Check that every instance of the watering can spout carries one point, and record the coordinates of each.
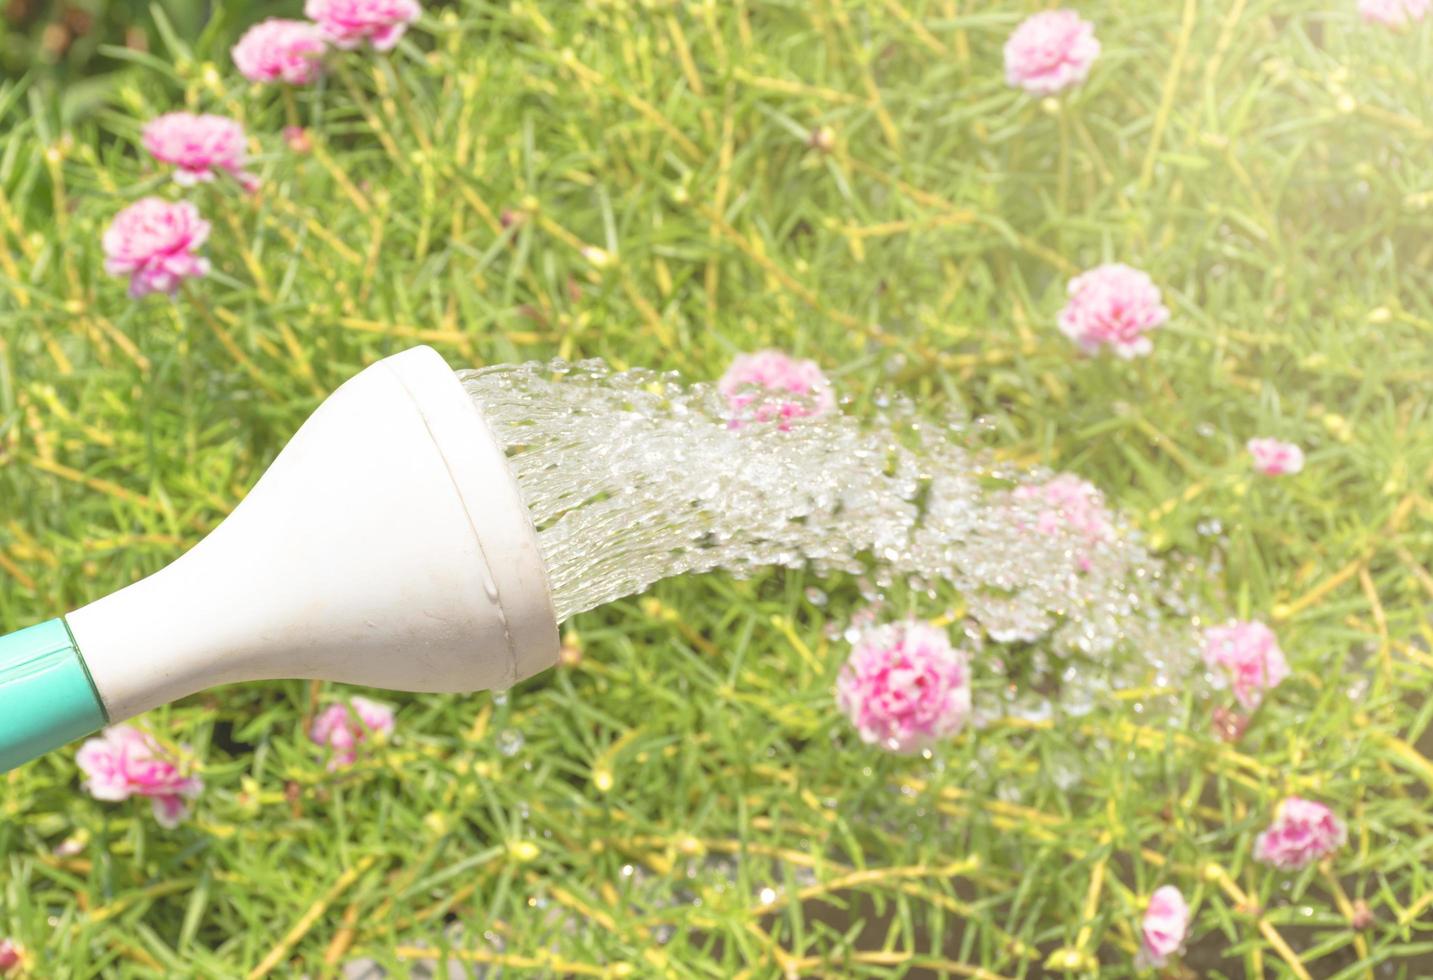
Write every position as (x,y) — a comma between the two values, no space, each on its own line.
(387,545)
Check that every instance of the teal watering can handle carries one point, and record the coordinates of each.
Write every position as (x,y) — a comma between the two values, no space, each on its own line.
(46,696)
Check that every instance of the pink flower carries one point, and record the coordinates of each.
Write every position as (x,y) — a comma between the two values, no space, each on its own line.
(1229,725)
(1394,13)
(1050,51)
(347,23)
(9,955)
(297,139)
(905,687)
(756,382)
(125,762)
(279,50)
(1070,505)
(1302,832)
(199,145)
(1166,923)
(1113,305)
(1275,458)
(1249,653)
(154,243)
(343,727)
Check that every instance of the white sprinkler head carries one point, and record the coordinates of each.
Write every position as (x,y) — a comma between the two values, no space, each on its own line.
(387,545)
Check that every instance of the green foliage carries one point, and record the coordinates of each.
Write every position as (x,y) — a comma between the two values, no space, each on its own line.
(77,50)
(685,801)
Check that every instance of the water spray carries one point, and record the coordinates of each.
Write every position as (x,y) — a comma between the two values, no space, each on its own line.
(426,530)
(388,545)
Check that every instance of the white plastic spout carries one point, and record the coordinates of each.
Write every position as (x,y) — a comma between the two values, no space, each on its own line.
(387,545)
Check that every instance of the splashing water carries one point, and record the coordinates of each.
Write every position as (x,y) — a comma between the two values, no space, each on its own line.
(635,476)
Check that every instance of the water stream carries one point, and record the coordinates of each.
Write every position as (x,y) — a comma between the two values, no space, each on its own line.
(636,476)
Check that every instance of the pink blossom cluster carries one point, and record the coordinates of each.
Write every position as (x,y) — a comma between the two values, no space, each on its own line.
(198,145)
(1050,52)
(1394,13)
(342,728)
(1070,505)
(772,385)
(9,955)
(1113,306)
(349,23)
(905,687)
(156,244)
(292,51)
(125,762)
(1165,926)
(278,50)
(1248,653)
(1302,832)
(1274,458)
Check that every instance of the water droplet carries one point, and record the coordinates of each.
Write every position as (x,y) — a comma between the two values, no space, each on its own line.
(510,742)
(1065,775)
